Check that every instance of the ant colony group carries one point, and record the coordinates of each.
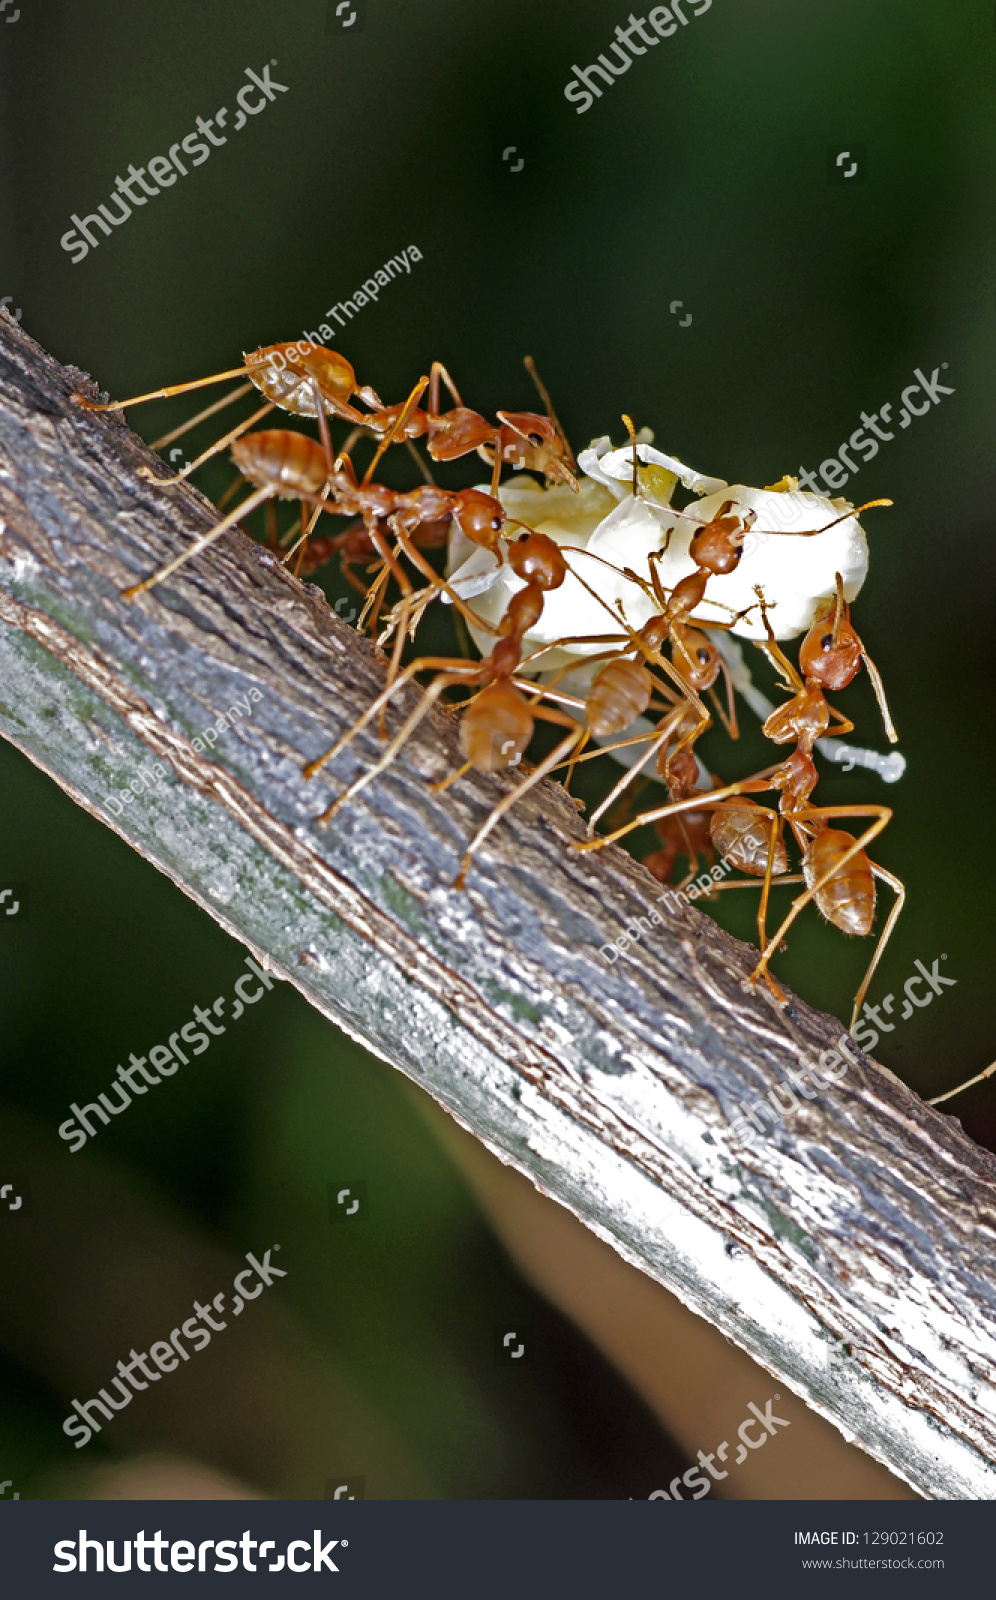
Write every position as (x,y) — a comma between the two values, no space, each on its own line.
(595,606)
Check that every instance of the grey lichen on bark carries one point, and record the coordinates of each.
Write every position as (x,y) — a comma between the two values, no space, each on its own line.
(850,1250)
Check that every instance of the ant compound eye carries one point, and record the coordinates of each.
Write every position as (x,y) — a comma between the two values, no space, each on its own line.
(521,537)
(496,523)
(826,642)
(536,439)
(703,656)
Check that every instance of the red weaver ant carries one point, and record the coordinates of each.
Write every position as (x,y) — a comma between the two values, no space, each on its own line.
(838,873)
(497,723)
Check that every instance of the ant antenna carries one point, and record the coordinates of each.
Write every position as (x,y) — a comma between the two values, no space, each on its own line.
(873,672)
(636,459)
(838,610)
(544,395)
(952,1092)
(811,533)
(883,704)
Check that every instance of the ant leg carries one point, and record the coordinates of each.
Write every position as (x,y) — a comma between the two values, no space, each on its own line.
(663,735)
(461,772)
(544,395)
(697,802)
(899,889)
(429,698)
(160,394)
(396,426)
(425,664)
(979,1077)
(212,450)
(272,542)
(882,815)
(730,720)
(202,416)
(200,544)
(762,910)
(437,371)
(574,760)
(508,801)
(233,488)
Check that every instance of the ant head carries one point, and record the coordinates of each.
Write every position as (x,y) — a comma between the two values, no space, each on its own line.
(537,559)
(831,652)
(718,546)
(695,657)
(532,441)
(481,517)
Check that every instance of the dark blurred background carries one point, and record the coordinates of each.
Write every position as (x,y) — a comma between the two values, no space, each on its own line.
(706,174)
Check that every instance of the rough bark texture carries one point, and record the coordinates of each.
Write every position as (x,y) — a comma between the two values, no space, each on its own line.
(850,1251)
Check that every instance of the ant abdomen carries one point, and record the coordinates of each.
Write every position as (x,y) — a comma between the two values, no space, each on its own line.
(496,728)
(848,899)
(284,375)
(742,832)
(620,693)
(289,463)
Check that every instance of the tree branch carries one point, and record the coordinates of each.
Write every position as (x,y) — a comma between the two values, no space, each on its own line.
(850,1251)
